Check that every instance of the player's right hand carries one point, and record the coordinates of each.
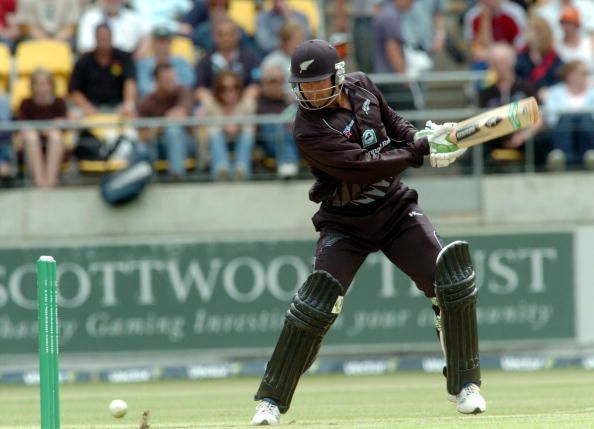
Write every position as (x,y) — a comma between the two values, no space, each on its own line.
(442,152)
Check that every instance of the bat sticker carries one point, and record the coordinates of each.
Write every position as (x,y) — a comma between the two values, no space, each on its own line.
(466,132)
(513,115)
(492,122)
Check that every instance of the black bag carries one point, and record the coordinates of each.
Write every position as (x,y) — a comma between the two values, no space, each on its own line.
(90,148)
(126,185)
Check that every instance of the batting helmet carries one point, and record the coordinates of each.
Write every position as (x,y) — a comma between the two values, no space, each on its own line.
(312,61)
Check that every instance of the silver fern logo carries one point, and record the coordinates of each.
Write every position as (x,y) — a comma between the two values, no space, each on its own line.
(305,65)
(366,106)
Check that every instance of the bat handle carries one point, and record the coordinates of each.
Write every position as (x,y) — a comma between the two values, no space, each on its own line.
(452,137)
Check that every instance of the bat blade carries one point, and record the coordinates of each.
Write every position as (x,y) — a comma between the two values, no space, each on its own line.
(496,123)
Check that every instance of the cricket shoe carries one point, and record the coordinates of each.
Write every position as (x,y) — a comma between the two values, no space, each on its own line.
(267,414)
(469,400)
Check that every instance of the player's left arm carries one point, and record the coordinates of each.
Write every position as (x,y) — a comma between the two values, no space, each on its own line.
(442,152)
(346,161)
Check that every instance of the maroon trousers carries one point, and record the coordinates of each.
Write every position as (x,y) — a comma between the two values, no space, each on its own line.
(398,228)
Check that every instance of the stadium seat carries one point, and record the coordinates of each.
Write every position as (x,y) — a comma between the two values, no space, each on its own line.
(5,64)
(21,89)
(507,155)
(310,9)
(100,131)
(100,167)
(54,55)
(162,165)
(243,12)
(183,47)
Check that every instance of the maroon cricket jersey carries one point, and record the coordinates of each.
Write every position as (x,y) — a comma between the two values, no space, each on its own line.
(357,155)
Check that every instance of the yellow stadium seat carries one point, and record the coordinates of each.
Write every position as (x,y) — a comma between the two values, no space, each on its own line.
(310,9)
(5,63)
(96,127)
(490,78)
(243,13)
(21,89)
(100,167)
(103,124)
(54,55)
(161,165)
(183,47)
(507,155)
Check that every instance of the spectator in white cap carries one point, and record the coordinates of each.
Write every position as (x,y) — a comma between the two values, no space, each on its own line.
(575,45)
(551,11)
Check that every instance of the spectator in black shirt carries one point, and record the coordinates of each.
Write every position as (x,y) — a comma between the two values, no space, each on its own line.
(103,80)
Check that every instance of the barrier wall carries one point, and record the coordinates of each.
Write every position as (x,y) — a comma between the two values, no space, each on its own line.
(271,210)
(220,211)
(210,267)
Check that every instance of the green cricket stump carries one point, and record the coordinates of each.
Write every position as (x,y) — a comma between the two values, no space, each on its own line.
(49,372)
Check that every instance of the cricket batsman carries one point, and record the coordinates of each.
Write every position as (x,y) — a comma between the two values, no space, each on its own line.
(357,147)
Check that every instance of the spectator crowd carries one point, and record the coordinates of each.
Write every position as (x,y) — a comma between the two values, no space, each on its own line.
(178,59)
(544,50)
(541,48)
(172,59)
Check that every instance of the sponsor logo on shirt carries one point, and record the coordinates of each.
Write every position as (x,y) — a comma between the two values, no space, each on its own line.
(365,107)
(369,137)
(374,152)
(347,130)
(116,69)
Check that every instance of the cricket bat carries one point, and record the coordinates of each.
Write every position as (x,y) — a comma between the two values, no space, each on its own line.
(496,123)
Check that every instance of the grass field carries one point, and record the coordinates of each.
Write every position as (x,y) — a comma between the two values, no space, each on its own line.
(551,399)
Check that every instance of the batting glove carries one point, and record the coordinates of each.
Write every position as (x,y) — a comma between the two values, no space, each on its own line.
(442,152)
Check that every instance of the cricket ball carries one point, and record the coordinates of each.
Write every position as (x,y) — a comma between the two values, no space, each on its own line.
(118,408)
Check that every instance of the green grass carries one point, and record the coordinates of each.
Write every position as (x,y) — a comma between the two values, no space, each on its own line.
(548,399)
